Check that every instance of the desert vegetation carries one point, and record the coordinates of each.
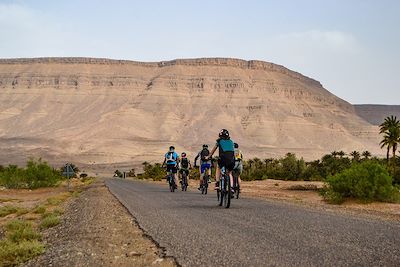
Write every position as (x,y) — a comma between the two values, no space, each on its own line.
(37,173)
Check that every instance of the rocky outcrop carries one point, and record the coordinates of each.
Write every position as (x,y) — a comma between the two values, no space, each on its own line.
(113,111)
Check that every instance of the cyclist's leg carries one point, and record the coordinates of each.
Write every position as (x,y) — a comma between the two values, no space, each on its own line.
(202,173)
(240,172)
(209,173)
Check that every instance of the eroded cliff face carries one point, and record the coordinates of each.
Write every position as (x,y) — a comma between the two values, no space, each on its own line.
(100,111)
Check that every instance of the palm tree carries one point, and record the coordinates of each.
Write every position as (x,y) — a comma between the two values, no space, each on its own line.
(267,162)
(391,139)
(366,154)
(355,155)
(341,153)
(389,127)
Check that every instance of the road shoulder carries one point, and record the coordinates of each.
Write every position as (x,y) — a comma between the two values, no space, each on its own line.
(96,230)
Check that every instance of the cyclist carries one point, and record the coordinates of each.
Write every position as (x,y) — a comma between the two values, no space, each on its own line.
(184,166)
(204,163)
(238,161)
(171,159)
(226,155)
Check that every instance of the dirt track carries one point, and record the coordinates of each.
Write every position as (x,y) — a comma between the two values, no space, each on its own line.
(98,231)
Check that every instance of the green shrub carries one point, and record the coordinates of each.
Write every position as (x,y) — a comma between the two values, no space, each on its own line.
(154,172)
(39,209)
(20,230)
(12,253)
(49,220)
(6,210)
(20,244)
(36,174)
(367,181)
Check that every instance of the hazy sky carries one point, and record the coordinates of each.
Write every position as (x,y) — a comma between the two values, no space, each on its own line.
(351,46)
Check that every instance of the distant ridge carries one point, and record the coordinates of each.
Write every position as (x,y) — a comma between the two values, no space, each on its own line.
(376,114)
(219,62)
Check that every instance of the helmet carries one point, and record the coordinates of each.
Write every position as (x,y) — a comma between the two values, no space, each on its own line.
(224,134)
(205,146)
(171,148)
(236,145)
(183,155)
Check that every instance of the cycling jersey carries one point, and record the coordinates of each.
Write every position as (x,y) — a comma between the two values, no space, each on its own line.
(171,158)
(226,153)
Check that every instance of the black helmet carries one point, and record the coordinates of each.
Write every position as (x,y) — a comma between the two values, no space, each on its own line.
(205,146)
(224,134)
(236,145)
(171,148)
(183,155)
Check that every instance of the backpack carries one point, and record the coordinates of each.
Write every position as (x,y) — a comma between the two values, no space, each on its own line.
(204,153)
(185,163)
(238,155)
(170,157)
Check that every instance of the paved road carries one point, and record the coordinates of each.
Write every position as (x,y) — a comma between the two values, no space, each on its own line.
(194,230)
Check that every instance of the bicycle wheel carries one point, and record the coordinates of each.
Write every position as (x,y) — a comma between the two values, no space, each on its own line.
(236,185)
(221,191)
(183,185)
(227,193)
(172,184)
(205,184)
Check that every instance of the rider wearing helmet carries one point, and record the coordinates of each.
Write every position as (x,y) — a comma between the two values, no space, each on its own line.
(171,158)
(205,164)
(184,166)
(226,155)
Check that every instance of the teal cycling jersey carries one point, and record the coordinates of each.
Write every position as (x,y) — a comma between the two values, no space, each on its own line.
(225,145)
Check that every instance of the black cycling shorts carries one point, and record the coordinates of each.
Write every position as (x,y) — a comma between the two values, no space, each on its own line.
(227,160)
(172,168)
(184,170)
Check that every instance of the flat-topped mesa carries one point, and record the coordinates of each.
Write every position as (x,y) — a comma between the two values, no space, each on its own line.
(218,62)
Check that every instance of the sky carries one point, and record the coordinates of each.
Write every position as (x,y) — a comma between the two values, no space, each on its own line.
(351,46)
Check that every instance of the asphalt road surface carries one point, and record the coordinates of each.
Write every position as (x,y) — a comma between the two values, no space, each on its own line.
(197,232)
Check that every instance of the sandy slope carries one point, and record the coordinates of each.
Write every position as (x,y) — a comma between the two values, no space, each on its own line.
(98,111)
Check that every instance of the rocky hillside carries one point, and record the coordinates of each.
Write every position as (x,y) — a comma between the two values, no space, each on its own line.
(376,114)
(101,111)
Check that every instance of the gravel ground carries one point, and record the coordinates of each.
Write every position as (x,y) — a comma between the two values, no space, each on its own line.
(96,230)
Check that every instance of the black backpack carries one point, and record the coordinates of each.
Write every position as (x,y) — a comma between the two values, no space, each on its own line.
(185,163)
(204,153)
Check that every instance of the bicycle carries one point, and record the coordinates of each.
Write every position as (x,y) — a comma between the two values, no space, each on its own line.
(184,181)
(224,191)
(236,183)
(171,181)
(204,184)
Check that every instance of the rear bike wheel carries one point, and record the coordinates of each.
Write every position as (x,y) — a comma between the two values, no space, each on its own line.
(183,181)
(221,191)
(236,185)
(172,184)
(205,183)
(227,193)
